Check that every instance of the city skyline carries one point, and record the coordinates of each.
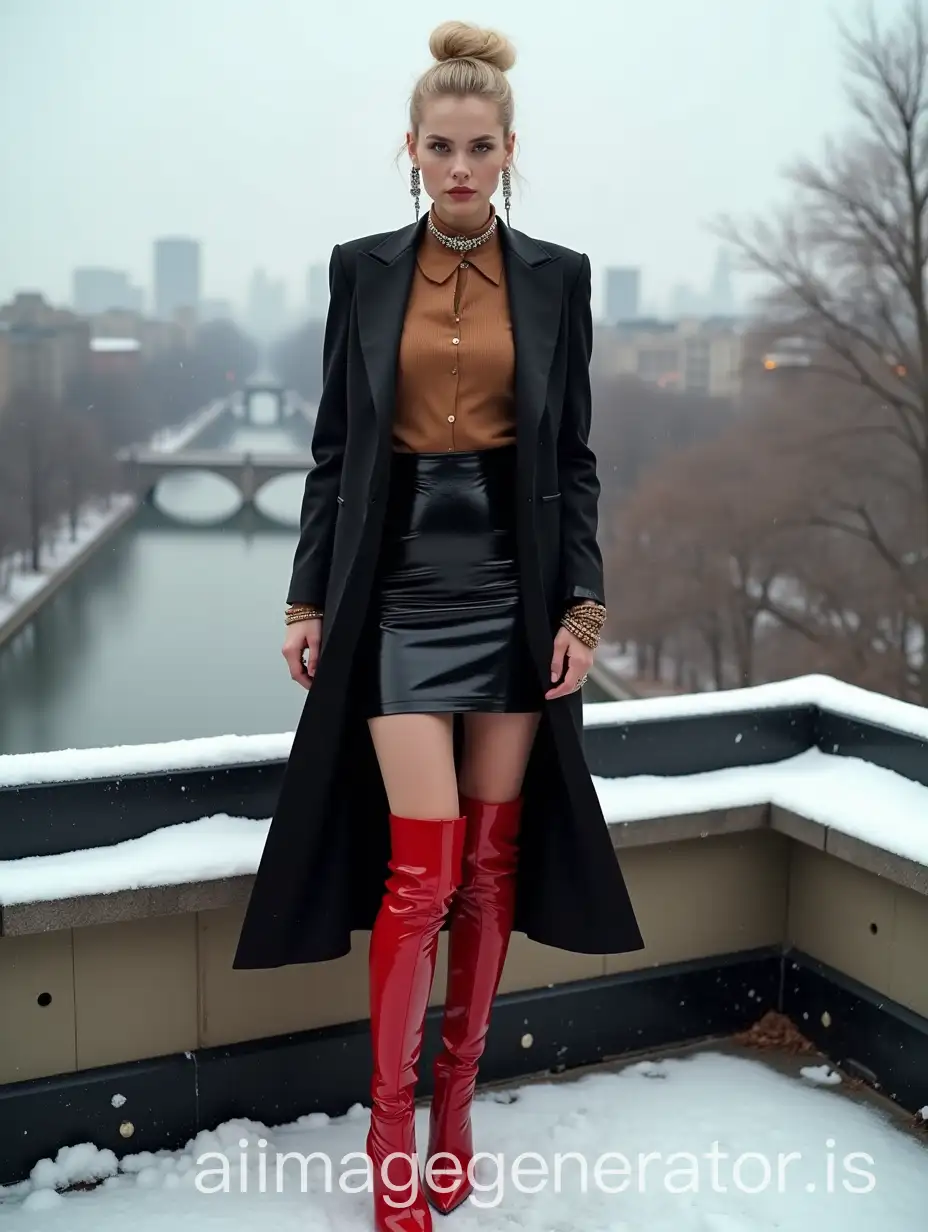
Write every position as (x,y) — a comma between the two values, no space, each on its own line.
(302,288)
(664,117)
(269,297)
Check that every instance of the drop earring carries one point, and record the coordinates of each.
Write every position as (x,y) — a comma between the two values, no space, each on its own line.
(507,191)
(414,187)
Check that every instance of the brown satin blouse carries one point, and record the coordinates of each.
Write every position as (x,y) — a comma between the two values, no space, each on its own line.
(456,359)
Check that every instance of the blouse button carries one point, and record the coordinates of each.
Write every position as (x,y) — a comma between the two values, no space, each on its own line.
(465,265)
(450,419)
(455,341)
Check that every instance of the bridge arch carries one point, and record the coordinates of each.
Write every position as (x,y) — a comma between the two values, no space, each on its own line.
(276,390)
(249,471)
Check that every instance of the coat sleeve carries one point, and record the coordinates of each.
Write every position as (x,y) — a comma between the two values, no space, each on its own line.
(579,483)
(319,508)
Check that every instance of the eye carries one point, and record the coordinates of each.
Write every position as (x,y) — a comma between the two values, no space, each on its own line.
(483,145)
(438,146)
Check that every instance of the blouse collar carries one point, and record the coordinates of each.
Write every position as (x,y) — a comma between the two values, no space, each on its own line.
(438,263)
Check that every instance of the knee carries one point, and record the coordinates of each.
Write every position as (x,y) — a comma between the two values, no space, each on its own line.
(436,808)
(488,790)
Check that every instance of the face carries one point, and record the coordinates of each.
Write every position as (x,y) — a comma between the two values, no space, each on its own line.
(461,151)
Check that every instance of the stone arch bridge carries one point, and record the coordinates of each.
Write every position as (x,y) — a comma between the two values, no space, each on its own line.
(143,468)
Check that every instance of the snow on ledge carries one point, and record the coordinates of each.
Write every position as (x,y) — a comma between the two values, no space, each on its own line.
(847,794)
(67,765)
(123,760)
(823,691)
(60,551)
(204,850)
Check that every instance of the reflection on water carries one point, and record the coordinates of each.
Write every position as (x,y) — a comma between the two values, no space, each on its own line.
(197,497)
(171,631)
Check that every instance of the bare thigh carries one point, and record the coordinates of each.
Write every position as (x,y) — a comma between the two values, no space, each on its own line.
(496,753)
(416,757)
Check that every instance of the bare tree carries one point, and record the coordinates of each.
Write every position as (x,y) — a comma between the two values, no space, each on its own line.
(84,467)
(51,462)
(29,428)
(702,559)
(12,529)
(848,266)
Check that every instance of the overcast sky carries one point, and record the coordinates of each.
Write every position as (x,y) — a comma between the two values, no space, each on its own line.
(268,128)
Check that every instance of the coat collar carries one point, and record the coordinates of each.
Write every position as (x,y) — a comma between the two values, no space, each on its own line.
(534,279)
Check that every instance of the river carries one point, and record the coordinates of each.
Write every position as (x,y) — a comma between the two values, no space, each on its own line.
(173,629)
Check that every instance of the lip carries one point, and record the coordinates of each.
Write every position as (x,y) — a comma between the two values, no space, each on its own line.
(461,192)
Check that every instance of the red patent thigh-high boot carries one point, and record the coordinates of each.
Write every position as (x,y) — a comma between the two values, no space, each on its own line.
(425,868)
(480,928)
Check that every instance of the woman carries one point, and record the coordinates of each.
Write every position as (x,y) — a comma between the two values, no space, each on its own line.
(447,566)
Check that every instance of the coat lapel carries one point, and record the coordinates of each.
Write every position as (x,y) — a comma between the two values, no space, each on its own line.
(535,281)
(384,281)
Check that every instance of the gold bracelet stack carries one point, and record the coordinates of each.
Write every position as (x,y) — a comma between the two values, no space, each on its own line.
(302,611)
(585,621)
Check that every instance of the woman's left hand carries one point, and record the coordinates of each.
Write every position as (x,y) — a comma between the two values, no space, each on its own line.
(579,662)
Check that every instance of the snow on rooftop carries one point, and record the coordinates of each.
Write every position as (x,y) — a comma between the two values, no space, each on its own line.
(841,792)
(845,793)
(823,691)
(203,850)
(705,1143)
(69,765)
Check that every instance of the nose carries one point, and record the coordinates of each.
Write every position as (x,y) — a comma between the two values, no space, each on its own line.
(461,171)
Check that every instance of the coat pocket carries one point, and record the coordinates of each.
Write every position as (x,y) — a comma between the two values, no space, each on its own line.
(551,496)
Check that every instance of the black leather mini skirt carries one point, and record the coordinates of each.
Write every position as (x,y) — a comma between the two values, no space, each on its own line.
(445,630)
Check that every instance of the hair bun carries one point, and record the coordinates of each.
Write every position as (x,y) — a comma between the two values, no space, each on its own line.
(456,40)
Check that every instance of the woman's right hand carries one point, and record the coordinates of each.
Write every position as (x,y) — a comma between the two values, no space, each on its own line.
(303,636)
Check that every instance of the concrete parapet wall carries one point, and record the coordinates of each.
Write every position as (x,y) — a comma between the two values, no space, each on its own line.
(114,978)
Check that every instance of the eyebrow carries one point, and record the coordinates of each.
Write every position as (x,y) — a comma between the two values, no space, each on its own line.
(438,137)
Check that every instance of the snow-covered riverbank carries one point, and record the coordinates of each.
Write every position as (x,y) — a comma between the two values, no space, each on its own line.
(26,591)
(62,556)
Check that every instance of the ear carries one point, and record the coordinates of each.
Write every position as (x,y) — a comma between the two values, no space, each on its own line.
(411,147)
(510,144)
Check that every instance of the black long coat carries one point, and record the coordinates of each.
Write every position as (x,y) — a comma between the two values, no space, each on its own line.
(324,864)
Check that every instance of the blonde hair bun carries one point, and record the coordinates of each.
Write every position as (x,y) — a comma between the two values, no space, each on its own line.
(457,40)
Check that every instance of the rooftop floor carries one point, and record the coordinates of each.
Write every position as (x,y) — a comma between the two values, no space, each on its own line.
(723,1136)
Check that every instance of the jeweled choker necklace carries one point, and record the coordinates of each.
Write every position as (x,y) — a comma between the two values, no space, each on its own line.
(461,243)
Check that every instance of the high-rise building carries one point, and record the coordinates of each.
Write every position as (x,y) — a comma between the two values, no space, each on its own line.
(266,313)
(721,295)
(177,277)
(101,290)
(623,294)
